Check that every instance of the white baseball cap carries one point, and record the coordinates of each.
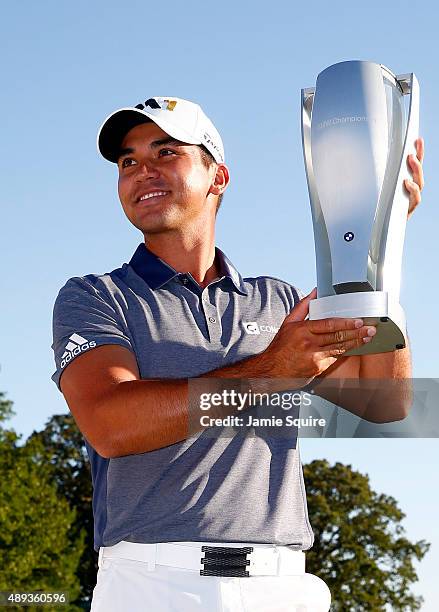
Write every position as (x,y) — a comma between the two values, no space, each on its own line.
(181,119)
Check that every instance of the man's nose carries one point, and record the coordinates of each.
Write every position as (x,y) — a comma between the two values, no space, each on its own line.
(146,169)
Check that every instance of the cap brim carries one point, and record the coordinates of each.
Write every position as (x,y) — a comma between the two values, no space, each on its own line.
(117,125)
(115,128)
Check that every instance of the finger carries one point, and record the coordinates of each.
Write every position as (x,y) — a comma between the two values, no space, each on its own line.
(338,337)
(301,309)
(416,170)
(420,147)
(339,349)
(325,326)
(414,195)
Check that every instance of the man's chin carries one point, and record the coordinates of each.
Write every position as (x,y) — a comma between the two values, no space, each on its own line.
(157,227)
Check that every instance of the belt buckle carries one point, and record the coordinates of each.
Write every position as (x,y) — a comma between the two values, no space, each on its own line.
(225,561)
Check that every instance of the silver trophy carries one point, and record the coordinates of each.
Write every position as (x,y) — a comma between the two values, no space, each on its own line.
(356,139)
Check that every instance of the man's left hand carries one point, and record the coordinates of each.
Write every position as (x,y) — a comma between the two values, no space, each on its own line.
(415,186)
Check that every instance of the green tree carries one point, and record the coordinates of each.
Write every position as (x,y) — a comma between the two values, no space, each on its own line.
(66,454)
(360,550)
(36,552)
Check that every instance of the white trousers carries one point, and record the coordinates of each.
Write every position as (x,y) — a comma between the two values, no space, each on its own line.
(128,585)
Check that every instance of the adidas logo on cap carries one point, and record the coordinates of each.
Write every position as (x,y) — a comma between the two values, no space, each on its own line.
(76,345)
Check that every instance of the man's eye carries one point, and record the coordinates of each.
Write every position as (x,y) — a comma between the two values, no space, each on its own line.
(166,152)
(128,161)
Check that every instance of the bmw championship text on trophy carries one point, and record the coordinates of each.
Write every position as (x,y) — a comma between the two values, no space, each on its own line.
(356,135)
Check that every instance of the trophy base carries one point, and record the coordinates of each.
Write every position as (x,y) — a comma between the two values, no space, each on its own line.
(375,308)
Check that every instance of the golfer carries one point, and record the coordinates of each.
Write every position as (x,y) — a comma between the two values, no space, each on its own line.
(190,521)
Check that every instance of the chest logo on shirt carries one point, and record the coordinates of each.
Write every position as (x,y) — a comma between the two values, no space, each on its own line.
(251,327)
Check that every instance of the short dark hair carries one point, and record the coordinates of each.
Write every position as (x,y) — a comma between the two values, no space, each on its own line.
(208,159)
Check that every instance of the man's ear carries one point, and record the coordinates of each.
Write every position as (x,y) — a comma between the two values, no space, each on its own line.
(220,180)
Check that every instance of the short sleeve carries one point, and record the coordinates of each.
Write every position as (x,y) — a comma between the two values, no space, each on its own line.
(83,319)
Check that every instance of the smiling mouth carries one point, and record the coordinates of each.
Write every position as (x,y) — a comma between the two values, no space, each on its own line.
(153,194)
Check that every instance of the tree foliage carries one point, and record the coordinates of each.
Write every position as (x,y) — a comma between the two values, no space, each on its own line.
(360,549)
(35,521)
(65,452)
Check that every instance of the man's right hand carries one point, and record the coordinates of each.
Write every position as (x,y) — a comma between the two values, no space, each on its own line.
(304,349)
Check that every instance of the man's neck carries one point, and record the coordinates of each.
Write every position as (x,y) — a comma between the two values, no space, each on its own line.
(194,256)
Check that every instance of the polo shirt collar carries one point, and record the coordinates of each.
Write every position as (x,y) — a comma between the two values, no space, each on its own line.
(156,272)
(228,269)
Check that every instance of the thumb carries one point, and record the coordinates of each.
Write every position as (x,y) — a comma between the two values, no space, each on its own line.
(301,309)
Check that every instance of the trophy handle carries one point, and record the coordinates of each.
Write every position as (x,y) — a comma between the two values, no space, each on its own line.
(410,86)
(323,257)
(389,278)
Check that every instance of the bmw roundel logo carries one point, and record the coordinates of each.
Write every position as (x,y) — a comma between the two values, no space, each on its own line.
(349,236)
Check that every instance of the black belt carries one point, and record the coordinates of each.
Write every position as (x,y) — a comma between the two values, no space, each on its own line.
(222,561)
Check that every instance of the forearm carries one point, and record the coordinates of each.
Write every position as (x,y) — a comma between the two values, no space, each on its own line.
(387,379)
(376,387)
(144,415)
(386,366)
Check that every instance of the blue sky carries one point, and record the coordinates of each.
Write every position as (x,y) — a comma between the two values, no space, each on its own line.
(65,66)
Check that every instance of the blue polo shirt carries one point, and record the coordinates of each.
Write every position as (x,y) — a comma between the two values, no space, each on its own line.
(242,488)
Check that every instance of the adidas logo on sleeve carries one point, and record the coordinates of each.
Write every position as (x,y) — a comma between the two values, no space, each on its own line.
(76,345)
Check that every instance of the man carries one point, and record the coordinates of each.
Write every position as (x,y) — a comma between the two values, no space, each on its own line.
(180,310)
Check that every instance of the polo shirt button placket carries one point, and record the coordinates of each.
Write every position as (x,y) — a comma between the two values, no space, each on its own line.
(212,318)
(214,325)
